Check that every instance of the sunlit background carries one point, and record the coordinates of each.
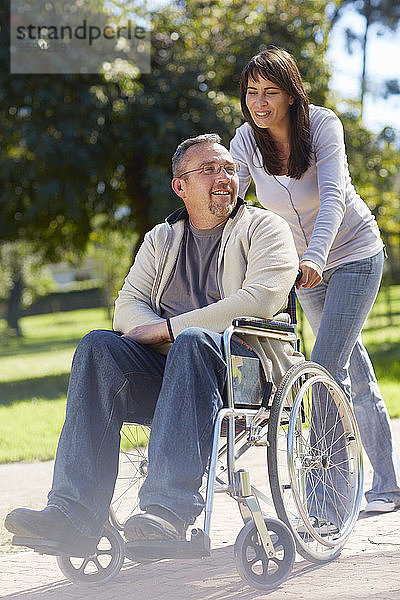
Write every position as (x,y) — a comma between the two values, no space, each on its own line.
(382,63)
(85,172)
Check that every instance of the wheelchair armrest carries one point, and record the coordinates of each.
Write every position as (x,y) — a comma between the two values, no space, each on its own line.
(279,330)
(261,325)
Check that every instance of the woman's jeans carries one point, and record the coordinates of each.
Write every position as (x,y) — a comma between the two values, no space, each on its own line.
(115,379)
(337,309)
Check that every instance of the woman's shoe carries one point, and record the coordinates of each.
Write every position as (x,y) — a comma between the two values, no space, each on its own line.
(380,505)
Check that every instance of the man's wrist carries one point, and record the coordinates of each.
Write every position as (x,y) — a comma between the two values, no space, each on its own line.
(171,333)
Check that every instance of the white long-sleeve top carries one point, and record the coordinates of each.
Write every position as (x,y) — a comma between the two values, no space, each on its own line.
(331,224)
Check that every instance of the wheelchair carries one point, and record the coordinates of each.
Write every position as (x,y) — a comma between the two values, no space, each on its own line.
(313,481)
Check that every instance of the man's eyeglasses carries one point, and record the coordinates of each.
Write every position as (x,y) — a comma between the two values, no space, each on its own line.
(214,169)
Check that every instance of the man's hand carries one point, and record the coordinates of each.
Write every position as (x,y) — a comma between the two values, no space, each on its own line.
(154,334)
(241,341)
(310,277)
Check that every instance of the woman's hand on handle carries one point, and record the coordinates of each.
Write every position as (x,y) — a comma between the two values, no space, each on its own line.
(309,278)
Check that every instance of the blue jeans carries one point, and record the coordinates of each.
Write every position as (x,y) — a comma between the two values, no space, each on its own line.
(114,379)
(336,310)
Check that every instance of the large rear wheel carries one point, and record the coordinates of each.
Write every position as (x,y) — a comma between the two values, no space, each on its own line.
(314,461)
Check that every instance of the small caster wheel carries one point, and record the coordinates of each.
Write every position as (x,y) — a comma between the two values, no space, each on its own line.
(101,566)
(254,566)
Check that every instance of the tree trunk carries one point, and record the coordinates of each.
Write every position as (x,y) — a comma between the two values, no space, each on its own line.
(14,304)
(139,202)
(364,55)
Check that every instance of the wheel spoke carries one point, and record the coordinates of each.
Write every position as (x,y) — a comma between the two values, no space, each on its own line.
(83,566)
(265,562)
(255,560)
(104,552)
(99,566)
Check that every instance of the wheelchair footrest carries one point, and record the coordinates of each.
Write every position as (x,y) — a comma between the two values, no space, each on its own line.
(42,546)
(144,550)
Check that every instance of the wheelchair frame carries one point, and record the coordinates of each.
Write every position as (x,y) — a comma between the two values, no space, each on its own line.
(265,548)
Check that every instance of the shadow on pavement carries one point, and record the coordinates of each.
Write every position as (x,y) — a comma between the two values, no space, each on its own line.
(216,578)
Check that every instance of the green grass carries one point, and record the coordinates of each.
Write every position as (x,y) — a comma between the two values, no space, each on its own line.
(34,373)
(29,430)
(382,338)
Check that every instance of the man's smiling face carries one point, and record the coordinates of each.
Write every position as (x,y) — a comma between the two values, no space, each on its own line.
(209,198)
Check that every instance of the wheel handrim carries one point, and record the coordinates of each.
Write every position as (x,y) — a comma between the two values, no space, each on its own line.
(321,543)
(321,457)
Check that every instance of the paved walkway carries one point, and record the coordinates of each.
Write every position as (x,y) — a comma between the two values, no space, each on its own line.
(369,567)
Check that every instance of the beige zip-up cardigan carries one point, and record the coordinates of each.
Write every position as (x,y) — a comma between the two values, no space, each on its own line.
(257,265)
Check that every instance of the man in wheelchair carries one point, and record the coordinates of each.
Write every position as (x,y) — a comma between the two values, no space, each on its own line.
(211,261)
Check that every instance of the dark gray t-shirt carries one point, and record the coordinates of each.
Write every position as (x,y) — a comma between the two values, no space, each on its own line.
(193,282)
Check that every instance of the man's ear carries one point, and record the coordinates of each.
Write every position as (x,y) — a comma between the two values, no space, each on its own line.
(178,188)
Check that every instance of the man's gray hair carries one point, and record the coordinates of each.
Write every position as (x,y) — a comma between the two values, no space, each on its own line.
(177,159)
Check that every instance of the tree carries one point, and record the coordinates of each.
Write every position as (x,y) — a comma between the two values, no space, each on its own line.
(112,252)
(55,175)
(55,171)
(198,52)
(22,278)
(74,149)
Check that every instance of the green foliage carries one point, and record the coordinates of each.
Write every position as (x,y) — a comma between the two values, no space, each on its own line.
(113,253)
(21,258)
(83,155)
(374,163)
(52,170)
(73,147)
(384,13)
(198,55)
(55,172)
(22,278)
(225,34)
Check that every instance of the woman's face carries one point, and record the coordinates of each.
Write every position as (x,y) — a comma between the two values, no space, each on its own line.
(268,104)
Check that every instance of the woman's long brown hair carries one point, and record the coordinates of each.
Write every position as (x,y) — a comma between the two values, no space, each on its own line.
(279,66)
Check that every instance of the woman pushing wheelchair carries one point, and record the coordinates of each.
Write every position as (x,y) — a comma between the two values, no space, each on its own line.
(295,154)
